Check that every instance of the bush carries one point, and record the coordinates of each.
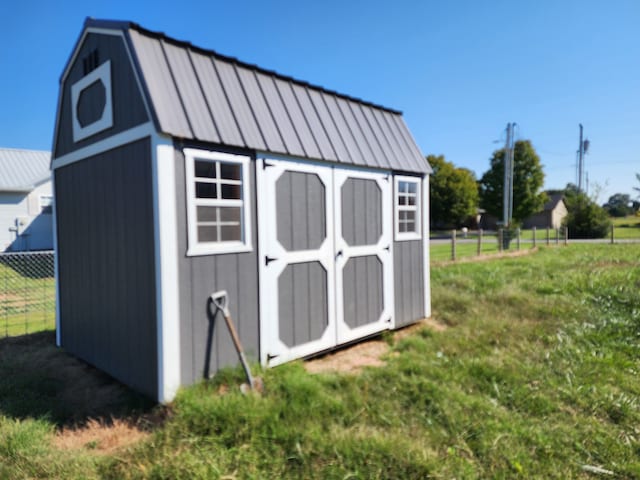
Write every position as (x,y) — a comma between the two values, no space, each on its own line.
(586,219)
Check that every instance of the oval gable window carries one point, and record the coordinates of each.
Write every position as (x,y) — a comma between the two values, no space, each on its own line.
(91,106)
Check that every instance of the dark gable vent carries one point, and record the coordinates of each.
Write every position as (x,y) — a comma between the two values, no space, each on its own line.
(90,62)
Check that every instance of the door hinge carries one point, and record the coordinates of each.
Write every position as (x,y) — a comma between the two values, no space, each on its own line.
(271,357)
(268,260)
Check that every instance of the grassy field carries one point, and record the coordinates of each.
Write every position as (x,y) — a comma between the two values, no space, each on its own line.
(627,227)
(536,375)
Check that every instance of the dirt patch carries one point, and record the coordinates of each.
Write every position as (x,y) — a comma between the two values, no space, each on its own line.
(354,358)
(491,256)
(100,437)
(350,359)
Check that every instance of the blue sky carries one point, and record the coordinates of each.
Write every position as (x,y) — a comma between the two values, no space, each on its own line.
(459,70)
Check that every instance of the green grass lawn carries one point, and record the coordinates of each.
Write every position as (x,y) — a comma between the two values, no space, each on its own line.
(537,375)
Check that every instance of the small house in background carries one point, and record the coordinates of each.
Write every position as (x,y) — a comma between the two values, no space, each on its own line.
(551,216)
(179,172)
(25,200)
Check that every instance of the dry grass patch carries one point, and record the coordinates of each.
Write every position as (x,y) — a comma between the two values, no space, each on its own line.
(487,256)
(38,380)
(100,437)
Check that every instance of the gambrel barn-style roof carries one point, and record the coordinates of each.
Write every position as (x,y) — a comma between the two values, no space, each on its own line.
(198,94)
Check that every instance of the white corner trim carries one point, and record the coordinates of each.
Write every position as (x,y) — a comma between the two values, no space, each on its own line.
(56,268)
(102,74)
(166,268)
(136,133)
(426,245)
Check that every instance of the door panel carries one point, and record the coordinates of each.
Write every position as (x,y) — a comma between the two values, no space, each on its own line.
(297,275)
(364,276)
(325,257)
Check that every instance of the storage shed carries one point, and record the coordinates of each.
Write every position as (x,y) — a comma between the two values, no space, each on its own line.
(179,172)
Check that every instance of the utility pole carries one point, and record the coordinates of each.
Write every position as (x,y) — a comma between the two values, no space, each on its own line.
(580,159)
(507,194)
(511,168)
(507,182)
(583,148)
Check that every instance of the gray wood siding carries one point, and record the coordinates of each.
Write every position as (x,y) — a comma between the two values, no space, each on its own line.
(128,105)
(408,281)
(300,202)
(302,303)
(362,283)
(361,212)
(205,343)
(106,263)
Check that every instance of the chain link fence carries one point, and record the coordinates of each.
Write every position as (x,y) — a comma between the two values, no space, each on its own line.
(27,293)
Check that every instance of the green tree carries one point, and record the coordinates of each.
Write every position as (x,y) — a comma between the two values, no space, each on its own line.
(637,189)
(585,218)
(453,193)
(619,205)
(528,178)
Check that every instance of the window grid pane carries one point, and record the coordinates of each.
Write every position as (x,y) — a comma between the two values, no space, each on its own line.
(217,185)
(407,206)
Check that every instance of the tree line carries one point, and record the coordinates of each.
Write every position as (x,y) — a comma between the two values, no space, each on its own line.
(456,195)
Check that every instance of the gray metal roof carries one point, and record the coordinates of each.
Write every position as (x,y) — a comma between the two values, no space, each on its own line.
(554,200)
(201,95)
(22,170)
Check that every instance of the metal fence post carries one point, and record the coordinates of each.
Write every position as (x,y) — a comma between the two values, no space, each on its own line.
(612,234)
(533,229)
(500,237)
(557,236)
(453,244)
(517,239)
(566,236)
(479,241)
(548,236)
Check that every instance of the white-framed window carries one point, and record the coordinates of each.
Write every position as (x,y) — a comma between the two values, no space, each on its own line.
(218,216)
(99,79)
(407,208)
(46,204)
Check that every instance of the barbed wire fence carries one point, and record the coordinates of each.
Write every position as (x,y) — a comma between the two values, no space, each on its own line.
(27,293)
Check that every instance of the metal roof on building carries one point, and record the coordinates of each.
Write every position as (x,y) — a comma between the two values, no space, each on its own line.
(22,170)
(201,95)
(552,203)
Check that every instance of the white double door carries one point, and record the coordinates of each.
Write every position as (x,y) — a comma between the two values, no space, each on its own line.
(325,254)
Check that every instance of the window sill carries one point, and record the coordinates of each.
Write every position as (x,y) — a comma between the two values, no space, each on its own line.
(404,237)
(218,249)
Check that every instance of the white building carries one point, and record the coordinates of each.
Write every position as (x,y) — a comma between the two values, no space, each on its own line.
(25,200)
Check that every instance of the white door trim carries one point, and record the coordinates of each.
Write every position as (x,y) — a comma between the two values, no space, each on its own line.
(383,249)
(272,350)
